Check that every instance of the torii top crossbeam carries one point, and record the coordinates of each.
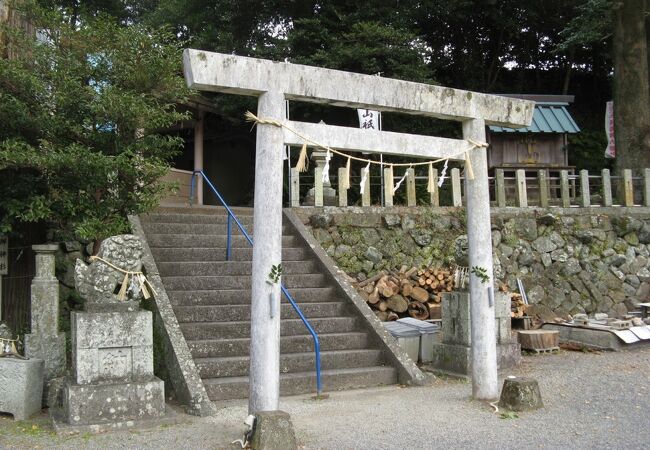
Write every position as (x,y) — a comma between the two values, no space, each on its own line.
(251,76)
(275,82)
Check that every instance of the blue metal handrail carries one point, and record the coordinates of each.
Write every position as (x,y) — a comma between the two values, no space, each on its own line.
(231,214)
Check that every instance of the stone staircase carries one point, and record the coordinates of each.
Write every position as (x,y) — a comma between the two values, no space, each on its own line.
(211,299)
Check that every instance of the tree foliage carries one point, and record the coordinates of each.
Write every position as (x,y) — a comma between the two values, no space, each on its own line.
(82,108)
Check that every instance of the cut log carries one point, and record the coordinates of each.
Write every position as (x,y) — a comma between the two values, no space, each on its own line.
(419,294)
(418,311)
(410,272)
(391,316)
(373,298)
(397,303)
(368,288)
(539,340)
(407,288)
(372,279)
(382,305)
(435,311)
(382,315)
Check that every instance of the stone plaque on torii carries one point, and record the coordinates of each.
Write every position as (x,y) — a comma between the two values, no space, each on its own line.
(273,83)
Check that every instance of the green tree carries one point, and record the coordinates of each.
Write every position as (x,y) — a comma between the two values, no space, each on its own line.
(82,108)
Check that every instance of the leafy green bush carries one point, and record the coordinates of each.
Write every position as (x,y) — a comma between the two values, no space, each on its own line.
(82,107)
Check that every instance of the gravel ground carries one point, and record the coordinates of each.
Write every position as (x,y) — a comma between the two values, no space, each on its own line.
(592,400)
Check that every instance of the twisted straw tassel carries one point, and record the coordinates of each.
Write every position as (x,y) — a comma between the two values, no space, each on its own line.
(303,161)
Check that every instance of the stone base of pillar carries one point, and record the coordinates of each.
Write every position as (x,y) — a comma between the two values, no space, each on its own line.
(329,197)
(454,353)
(116,404)
(51,349)
(111,384)
(457,359)
(273,431)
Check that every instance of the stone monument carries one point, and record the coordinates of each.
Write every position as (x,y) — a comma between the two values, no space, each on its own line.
(111,382)
(329,194)
(45,342)
(453,354)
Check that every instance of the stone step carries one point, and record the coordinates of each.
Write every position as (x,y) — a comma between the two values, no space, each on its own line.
(229,268)
(204,283)
(305,382)
(243,297)
(213,348)
(201,228)
(288,327)
(208,240)
(202,219)
(204,210)
(179,254)
(234,313)
(237,366)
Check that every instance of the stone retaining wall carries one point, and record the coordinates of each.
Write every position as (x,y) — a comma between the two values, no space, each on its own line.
(570,260)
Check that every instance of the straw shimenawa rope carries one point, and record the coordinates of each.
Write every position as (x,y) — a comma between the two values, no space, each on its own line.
(303,163)
(139,277)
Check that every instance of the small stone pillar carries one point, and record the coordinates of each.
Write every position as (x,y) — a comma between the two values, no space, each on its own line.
(45,342)
(520,394)
(273,431)
(453,353)
(329,194)
(112,384)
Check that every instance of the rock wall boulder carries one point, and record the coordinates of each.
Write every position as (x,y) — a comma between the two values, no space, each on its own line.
(570,260)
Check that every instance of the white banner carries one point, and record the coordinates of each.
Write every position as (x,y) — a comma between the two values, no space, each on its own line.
(369,119)
(610,151)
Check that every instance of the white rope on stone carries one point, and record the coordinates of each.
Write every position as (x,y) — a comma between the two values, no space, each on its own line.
(137,278)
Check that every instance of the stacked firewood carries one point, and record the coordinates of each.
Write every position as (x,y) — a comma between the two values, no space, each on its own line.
(407,292)
(517,303)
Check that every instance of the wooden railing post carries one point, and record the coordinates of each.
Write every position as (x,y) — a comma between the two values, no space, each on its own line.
(343,192)
(646,187)
(410,187)
(564,188)
(500,187)
(388,186)
(295,187)
(456,195)
(543,188)
(435,195)
(585,195)
(628,188)
(522,195)
(607,187)
(365,198)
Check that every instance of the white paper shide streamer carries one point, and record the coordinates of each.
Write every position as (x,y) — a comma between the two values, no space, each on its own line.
(364,177)
(399,183)
(326,168)
(443,174)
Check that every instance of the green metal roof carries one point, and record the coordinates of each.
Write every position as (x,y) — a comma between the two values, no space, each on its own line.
(548,117)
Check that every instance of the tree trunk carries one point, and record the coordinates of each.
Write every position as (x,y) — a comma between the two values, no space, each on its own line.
(631,86)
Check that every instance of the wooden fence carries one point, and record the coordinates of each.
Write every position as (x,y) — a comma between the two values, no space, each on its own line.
(521,190)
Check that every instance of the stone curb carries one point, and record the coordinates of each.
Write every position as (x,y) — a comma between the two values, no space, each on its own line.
(408,371)
(183,373)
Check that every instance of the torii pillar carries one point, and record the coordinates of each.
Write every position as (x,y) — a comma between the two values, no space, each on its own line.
(273,83)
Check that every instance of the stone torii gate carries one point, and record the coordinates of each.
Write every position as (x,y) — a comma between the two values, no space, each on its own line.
(273,83)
